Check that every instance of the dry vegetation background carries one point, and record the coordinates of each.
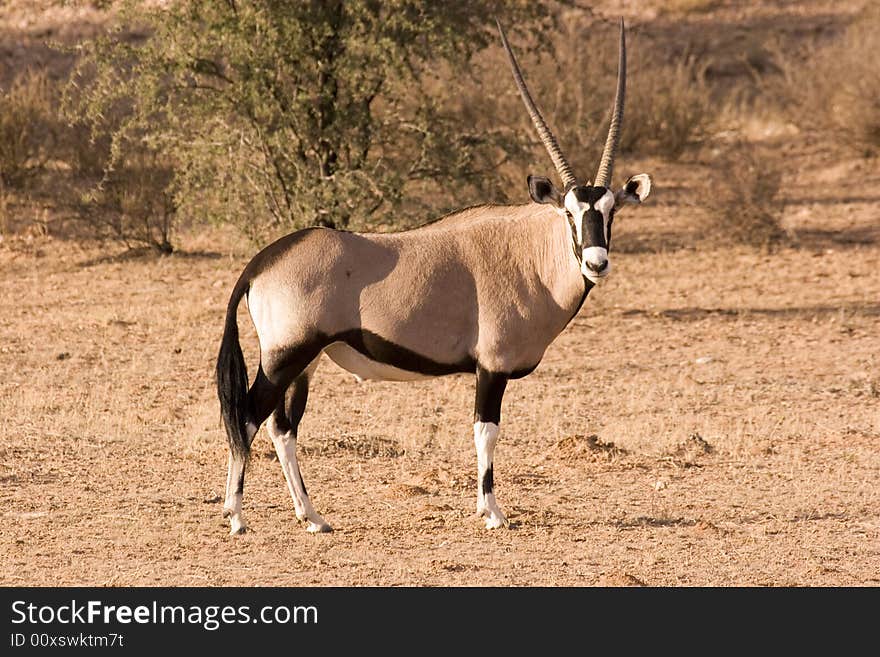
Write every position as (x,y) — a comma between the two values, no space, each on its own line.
(711,417)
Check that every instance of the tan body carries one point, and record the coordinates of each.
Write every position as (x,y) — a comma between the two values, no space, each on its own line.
(485,290)
(490,285)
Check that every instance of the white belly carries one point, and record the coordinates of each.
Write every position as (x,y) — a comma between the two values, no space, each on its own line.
(364,368)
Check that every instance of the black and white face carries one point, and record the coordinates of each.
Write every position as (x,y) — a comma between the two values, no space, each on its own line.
(591,210)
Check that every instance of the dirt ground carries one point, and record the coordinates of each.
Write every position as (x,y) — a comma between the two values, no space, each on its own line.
(710,418)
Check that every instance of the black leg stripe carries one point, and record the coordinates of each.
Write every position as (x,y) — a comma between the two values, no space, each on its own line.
(292,407)
(488,481)
(490,390)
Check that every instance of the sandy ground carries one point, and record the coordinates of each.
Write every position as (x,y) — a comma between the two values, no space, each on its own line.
(711,417)
(733,397)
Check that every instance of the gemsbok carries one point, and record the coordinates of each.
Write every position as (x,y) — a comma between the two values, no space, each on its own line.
(484,290)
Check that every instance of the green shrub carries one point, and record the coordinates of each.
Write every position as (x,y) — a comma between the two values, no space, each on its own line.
(276,115)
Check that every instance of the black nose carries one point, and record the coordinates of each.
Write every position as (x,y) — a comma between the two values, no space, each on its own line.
(602,266)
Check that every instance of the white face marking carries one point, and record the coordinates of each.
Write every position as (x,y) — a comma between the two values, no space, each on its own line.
(595,256)
(592,257)
(605,205)
(576,209)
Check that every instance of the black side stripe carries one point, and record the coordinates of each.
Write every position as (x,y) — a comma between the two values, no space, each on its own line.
(374,347)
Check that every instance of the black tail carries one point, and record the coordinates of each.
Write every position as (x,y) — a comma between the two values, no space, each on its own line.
(232,378)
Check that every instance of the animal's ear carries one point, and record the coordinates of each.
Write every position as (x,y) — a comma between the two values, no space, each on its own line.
(542,191)
(635,190)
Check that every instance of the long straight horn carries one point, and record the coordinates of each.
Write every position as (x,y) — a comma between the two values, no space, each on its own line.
(547,138)
(603,176)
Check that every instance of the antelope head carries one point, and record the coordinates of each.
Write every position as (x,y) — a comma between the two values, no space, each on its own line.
(589,207)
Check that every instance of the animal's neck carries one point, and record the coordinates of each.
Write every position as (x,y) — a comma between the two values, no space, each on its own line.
(561,272)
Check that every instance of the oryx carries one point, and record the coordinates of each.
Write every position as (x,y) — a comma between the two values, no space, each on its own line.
(484,290)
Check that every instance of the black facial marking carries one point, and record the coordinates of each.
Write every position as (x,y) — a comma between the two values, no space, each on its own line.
(488,481)
(490,390)
(589,194)
(610,221)
(594,229)
(594,222)
(574,235)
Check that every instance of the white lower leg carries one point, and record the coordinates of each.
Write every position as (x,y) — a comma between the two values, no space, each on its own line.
(485,438)
(285,448)
(232,505)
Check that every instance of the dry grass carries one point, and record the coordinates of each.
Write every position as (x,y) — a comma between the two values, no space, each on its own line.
(839,87)
(741,198)
(133,203)
(27,130)
(45,160)
(669,110)
(678,7)
(709,418)
(700,422)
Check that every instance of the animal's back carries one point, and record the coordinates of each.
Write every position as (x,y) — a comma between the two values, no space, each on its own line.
(426,290)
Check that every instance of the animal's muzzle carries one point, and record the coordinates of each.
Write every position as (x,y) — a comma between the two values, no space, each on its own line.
(594,262)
